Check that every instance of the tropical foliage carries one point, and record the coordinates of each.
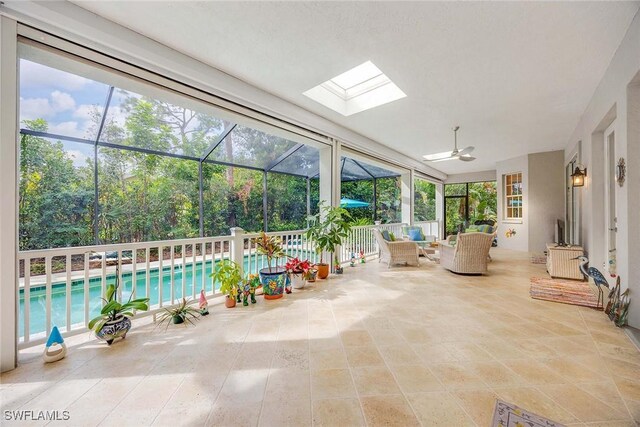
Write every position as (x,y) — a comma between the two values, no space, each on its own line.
(482,198)
(113,309)
(229,275)
(328,227)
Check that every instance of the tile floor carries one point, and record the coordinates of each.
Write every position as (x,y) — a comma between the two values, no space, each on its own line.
(402,346)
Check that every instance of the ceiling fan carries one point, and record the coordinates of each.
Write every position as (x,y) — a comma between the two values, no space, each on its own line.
(451,155)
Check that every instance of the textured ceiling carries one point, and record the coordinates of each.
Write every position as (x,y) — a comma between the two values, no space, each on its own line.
(515,76)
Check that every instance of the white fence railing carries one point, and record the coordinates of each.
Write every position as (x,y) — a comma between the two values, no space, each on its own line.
(63,287)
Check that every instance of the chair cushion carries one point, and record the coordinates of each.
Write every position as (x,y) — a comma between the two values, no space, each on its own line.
(485,228)
(392,236)
(415,234)
(385,235)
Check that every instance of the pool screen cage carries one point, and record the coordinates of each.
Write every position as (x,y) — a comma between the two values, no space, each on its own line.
(232,145)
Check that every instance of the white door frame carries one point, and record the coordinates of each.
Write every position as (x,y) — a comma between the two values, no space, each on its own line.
(610,200)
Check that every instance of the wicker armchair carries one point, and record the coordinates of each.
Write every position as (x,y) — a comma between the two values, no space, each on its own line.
(469,255)
(398,252)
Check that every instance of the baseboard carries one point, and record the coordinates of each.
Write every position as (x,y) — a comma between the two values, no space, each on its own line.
(634,335)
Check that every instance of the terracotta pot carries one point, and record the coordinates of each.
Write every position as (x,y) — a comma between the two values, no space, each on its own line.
(230,302)
(323,271)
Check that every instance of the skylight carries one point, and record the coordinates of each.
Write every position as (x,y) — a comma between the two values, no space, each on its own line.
(356,90)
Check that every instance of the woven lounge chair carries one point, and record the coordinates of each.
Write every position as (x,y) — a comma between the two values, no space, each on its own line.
(398,252)
(469,255)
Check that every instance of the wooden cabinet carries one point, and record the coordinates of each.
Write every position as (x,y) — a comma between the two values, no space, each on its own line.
(561,262)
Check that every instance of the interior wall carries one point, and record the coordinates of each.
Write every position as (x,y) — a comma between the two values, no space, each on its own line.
(614,92)
(519,241)
(546,197)
(461,178)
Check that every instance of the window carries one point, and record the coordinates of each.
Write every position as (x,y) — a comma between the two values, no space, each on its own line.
(424,201)
(513,196)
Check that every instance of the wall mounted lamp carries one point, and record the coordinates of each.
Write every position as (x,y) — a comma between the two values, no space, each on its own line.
(578,176)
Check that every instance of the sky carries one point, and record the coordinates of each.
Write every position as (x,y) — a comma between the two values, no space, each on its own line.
(66,101)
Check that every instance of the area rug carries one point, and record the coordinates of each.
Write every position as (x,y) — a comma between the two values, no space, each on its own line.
(538,259)
(508,415)
(563,291)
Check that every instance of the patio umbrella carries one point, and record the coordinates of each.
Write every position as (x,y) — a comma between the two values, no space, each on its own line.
(350,203)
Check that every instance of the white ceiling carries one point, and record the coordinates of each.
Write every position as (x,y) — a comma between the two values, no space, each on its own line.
(515,76)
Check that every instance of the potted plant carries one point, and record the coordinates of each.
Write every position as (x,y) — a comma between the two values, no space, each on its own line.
(183,313)
(273,279)
(327,229)
(229,274)
(298,271)
(114,319)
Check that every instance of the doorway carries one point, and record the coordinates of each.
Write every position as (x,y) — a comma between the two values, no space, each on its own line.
(611,216)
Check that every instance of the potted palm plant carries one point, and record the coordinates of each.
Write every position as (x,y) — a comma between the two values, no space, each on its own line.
(327,229)
(273,279)
(229,274)
(114,320)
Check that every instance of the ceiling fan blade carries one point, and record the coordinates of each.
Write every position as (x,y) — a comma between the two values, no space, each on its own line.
(467,158)
(445,159)
(438,156)
(466,150)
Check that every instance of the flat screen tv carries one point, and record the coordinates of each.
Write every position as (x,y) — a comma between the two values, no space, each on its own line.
(559,233)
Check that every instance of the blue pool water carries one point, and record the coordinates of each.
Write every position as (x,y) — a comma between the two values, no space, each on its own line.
(37,310)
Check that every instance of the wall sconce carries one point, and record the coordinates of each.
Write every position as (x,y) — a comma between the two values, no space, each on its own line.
(578,176)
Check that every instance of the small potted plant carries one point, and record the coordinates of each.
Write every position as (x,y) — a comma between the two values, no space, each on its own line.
(229,275)
(183,313)
(298,271)
(114,320)
(327,229)
(273,279)
(311,274)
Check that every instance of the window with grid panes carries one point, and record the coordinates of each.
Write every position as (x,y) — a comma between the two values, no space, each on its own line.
(513,196)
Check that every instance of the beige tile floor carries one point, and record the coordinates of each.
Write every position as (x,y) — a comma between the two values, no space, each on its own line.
(376,346)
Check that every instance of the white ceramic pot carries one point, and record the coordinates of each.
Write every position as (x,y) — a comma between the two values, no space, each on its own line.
(297,281)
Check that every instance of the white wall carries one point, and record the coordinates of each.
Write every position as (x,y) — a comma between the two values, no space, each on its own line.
(614,98)
(519,242)
(546,197)
(461,178)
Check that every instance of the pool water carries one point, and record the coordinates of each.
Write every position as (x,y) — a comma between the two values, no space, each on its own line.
(37,305)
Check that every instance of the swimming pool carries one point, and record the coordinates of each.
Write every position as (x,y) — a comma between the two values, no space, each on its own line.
(37,297)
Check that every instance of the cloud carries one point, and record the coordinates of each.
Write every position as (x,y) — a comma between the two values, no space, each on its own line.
(33,74)
(79,159)
(35,108)
(46,108)
(84,111)
(70,128)
(62,101)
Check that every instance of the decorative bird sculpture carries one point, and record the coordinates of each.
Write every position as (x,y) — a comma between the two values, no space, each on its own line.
(595,274)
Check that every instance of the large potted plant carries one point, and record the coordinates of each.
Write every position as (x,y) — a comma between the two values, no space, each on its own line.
(114,320)
(273,279)
(229,275)
(327,229)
